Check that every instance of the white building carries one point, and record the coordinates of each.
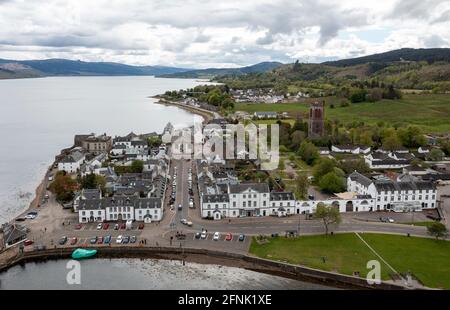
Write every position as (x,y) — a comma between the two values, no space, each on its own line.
(120,208)
(380,160)
(72,162)
(409,194)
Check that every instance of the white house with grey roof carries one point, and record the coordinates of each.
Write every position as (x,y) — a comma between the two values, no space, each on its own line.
(395,195)
(120,208)
(72,162)
(244,200)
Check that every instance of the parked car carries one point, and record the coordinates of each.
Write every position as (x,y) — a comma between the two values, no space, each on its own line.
(119,239)
(94,240)
(203,235)
(123,226)
(63,240)
(73,241)
(78,226)
(99,226)
(391,220)
(105,226)
(20,219)
(133,239)
(30,216)
(100,240)
(183,221)
(241,237)
(28,242)
(229,237)
(384,219)
(126,239)
(216,236)
(107,239)
(198,235)
(180,207)
(188,223)
(116,227)
(141,226)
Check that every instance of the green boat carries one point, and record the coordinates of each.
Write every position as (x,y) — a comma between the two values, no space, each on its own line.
(83,253)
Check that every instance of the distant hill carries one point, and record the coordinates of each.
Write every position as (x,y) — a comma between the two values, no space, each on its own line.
(429,55)
(424,69)
(64,67)
(215,72)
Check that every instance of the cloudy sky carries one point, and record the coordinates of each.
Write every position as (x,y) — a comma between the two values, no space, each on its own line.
(204,33)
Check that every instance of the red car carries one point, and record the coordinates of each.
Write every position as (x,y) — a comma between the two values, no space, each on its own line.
(100,240)
(78,226)
(73,241)
(28,242)
(141,226)
(123,226)
(105,226)
(229,237)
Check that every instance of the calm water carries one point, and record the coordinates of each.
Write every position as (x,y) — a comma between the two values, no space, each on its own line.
(39,117)
(143,274)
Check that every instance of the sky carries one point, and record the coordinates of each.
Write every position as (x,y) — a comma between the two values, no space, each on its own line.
(204,33)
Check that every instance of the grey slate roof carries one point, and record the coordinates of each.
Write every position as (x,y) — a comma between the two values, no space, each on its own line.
(239,188)
(282,196)
(391,186)
(361,179)
(120,201)
(221,198)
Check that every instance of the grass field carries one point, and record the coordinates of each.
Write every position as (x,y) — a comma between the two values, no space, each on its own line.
(430,112)
(427,259)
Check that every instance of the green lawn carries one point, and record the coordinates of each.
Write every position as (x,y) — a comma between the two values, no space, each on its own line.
(430,112)
(427,259)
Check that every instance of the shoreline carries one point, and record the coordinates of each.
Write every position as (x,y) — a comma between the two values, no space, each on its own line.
(211,257)
(207,115)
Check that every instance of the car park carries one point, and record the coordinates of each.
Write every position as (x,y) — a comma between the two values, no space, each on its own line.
(133,239)
(63,240)
(93,240)
(241,237)
(216,236)
(119,239)
(229,237)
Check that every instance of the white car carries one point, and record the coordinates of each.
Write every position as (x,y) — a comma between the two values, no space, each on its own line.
(203,235)
(183,221)
(391,220)
(30,216)
(99,226)
(216,236)
(119,239)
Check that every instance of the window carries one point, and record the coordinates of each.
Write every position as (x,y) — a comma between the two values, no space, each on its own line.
(245,196)
(234,204)
(264,203)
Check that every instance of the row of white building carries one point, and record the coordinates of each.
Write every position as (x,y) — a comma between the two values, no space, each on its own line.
(364,195)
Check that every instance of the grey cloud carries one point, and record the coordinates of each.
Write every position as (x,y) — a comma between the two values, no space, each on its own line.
(435,41)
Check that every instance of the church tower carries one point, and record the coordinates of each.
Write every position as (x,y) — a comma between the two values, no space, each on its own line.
(316,120)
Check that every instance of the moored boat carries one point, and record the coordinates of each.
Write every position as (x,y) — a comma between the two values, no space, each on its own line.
(83,253)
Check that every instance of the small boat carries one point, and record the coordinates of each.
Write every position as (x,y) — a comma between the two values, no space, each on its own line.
(83,253)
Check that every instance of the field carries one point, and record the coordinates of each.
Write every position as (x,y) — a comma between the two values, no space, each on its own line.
(430,112)
(346,253)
